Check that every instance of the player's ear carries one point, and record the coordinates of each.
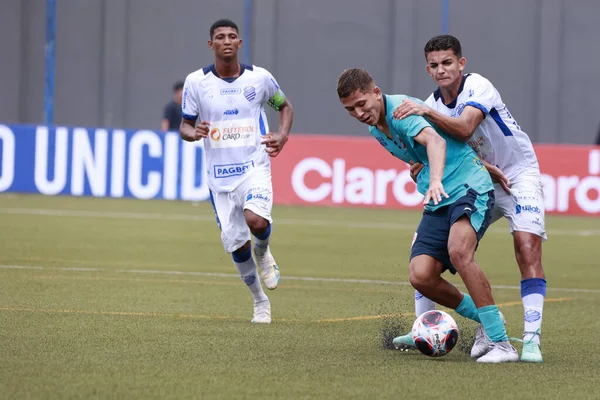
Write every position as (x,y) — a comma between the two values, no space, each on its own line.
(462,63)
(210,44)
(428,70)
(377,91)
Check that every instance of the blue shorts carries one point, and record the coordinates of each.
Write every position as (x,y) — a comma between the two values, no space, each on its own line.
(432,234)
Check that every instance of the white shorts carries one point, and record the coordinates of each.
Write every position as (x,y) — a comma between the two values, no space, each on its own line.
(523,208)
(255,194)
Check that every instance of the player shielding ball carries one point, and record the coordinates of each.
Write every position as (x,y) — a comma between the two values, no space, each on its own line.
(459,198)
(470,109)
(223,105)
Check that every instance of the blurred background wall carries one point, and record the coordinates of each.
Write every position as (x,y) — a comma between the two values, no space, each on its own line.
(116,60)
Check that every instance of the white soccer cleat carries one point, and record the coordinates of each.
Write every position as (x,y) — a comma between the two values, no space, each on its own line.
(262,313)
(482,342)
(500,352)
(269,271)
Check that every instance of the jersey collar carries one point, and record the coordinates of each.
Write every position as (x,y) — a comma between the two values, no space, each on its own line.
(211,68)
(438,93)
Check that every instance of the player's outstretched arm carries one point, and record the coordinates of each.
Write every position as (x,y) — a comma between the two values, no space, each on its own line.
(274,141)
(436,154)
(460,128)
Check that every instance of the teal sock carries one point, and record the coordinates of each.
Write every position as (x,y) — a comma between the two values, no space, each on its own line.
(492,323)
(467,308)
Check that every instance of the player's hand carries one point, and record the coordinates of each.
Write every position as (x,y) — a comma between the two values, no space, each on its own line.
(201,130)
(415,168)
(274,142)
(409,107)
(435,193)
(498,176)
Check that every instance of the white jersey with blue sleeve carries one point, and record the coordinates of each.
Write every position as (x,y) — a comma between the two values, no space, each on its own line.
(235,109)
(498,139)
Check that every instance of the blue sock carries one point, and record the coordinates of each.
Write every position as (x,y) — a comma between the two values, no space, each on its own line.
(467,308)
(261,242)
(492,323)
(241,257)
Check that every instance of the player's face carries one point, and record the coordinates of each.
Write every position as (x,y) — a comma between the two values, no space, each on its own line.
(445,67)
(225,43)
(365,107)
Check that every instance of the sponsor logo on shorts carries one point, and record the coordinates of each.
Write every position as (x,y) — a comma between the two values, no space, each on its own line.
(414,239)
(257,196)
(537,222)
(226,171)
(233,111)
(527,208)
(230,91)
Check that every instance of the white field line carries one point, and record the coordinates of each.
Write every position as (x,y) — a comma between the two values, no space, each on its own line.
(282,221)
(290,278)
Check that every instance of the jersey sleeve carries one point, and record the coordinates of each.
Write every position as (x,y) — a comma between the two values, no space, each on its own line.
(482,95)
(273,93)
(190,106)
(430,101)
(411,126)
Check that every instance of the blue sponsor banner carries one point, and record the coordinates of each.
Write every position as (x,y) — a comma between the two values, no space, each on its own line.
(101,162)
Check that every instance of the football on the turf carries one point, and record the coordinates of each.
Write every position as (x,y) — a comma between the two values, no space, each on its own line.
(435,333)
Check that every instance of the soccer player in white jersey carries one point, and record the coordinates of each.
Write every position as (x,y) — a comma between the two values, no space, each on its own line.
(469,108)
(223,105)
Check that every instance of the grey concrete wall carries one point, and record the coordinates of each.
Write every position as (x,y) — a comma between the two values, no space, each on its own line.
(116,60)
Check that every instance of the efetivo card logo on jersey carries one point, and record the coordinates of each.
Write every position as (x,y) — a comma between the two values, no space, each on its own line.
(233,133)
(229,170)
(233,111)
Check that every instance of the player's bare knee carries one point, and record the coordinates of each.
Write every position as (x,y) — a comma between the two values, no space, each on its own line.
(421,278)
(460,255)
(529,256)
(257,224)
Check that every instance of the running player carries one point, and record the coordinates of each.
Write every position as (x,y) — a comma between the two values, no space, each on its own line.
(470,109)
(459,198)
(223,105)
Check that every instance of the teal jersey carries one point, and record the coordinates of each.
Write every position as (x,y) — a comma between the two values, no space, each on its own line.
(463,169)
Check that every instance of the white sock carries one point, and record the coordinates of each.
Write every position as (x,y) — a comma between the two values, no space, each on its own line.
(261,242)
(422,304)
(533,306)
(533,292)
(247,269)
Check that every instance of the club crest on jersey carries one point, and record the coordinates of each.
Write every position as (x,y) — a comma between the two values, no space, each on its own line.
(458,110)
(250,93)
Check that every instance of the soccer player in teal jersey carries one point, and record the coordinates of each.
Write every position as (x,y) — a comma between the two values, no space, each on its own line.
(459,198)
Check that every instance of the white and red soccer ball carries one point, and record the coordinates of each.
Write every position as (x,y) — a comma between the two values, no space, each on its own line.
(435,333)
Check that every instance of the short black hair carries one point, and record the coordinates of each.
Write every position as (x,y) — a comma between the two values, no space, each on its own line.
(223,23)
(443,42)
(352,80)
(178,86)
